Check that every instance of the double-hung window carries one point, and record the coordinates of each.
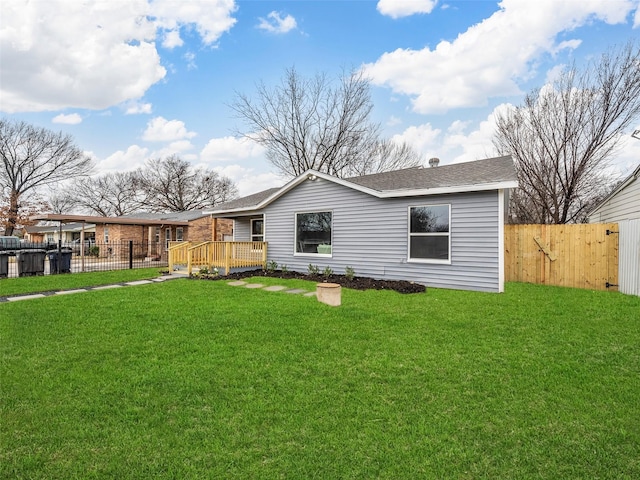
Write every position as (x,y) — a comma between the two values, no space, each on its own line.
(430,233)
(313,233)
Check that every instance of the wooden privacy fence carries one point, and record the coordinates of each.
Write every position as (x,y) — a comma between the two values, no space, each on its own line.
(581,256)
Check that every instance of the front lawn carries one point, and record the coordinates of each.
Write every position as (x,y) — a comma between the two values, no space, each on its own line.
(198,379)
(48,283)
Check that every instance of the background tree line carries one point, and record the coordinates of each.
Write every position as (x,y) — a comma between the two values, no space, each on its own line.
(37,161)
(162,185)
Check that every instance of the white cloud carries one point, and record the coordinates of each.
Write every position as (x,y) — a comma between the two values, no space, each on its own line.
(172,39)
(393,121)
(67,54)
(490,58)
(230,149)
(181,148)
(248,180)
(625,160)
(71,119)
(211,18)
(135,108)
(424,138)
(190,58)
(462,141)
(121,161)
(404,8)
(276,23)
(161,130)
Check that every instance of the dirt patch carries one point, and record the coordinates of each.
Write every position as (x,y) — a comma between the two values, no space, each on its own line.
(356,283)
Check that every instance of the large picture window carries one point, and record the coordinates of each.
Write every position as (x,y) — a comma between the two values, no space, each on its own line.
(313,233)
(429,233)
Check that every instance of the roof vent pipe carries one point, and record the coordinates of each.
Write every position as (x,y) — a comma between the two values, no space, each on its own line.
(433,162)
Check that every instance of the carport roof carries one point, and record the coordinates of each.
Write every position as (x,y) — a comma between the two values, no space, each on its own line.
(55,217)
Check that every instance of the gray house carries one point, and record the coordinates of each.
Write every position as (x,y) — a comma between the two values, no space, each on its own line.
(621,204)
(623,207)
(440,226)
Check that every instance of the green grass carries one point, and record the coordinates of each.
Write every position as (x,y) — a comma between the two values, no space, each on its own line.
(47,283)
(197,379)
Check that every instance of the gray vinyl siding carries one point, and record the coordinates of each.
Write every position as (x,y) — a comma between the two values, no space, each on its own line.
(242,229)
(624,205)
(371,235)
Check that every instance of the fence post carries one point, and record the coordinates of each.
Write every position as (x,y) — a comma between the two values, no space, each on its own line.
(130,254)
(227,257)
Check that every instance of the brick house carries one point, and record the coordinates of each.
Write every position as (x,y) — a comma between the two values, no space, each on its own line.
(151,232)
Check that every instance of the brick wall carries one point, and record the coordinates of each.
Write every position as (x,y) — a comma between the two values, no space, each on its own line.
(200,230)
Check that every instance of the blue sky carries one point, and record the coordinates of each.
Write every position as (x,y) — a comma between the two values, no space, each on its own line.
(138,79)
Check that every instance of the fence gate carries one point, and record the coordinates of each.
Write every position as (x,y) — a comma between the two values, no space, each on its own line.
(629,272)
(581,256)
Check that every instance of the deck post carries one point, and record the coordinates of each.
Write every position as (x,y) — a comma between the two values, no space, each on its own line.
(264,255)
(189,262)
(227,257)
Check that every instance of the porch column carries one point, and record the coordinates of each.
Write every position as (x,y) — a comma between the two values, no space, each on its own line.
(150,241)
(214,228)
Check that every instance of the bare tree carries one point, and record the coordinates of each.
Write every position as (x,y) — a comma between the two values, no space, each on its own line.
(310,124)
(33,205)
(61,202)
(564,136)
(33,157)
(173,185)
(112,194)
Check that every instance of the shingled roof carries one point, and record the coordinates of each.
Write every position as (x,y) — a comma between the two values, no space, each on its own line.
(248,201)
(491,170)
(491,173)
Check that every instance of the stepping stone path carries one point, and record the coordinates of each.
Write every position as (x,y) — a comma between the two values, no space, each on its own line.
(236,283)
(272,288)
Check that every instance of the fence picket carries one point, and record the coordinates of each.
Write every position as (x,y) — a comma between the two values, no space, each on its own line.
(581,256)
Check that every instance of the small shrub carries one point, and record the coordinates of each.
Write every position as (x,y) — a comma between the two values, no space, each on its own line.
(327,272)
(349,272)
(284,269)
(271,266)
(313,269)
(203,271)
(94,251)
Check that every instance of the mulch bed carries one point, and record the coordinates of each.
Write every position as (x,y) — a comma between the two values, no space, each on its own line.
(356,283)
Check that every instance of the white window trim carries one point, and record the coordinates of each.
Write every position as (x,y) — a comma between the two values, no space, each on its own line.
(167,238)
(295,236)
(181,230)
(435,234)
(264,229)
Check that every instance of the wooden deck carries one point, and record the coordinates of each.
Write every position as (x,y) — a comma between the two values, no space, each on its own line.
(221,255)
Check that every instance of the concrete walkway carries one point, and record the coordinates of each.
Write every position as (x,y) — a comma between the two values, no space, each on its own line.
(16,298)
(237,283)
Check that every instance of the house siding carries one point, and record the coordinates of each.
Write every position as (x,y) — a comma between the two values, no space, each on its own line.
(371,235)
(624,205)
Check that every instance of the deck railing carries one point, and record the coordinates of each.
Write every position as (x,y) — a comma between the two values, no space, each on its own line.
(221,255)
